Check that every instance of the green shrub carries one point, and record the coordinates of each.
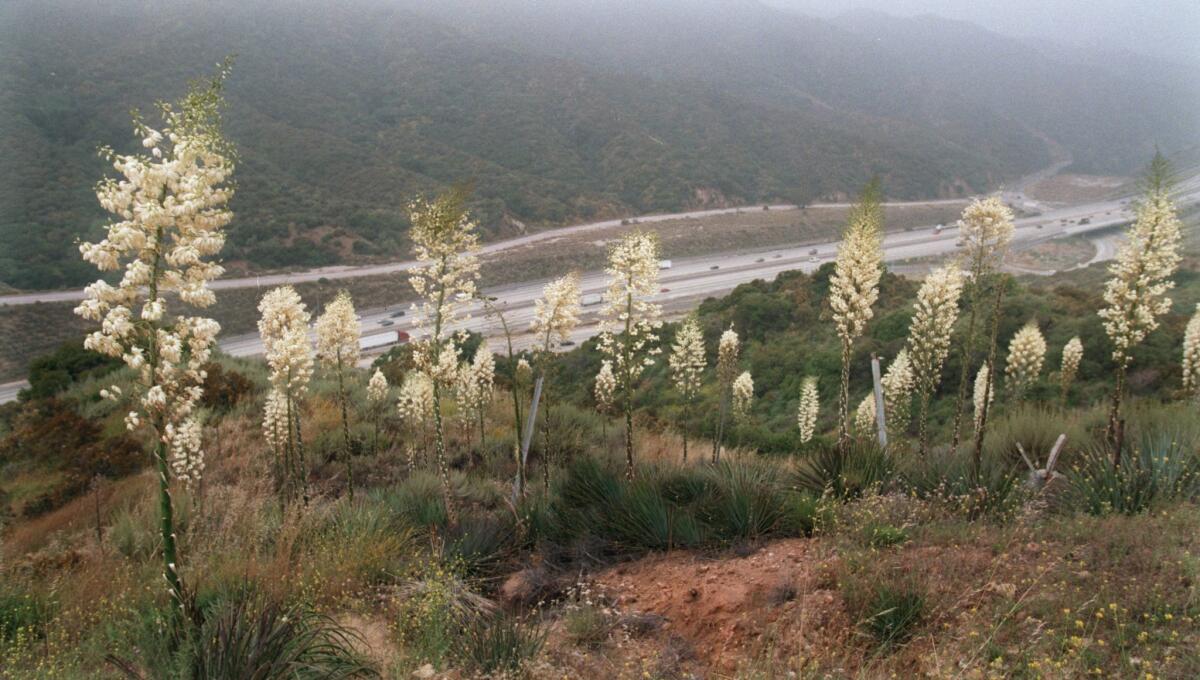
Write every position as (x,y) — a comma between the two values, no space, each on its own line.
(498,645)
(1159,469)
(21,612)
(864,467)
(884,535)
(888,611)
(950,479)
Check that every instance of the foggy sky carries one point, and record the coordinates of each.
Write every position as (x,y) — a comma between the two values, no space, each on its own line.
(1162,28)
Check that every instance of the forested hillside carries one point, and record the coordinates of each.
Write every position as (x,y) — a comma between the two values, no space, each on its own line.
(341,113)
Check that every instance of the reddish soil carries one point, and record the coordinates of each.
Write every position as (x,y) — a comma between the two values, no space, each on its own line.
(732,609)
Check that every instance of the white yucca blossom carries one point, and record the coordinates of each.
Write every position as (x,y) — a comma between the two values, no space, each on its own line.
(687,364)
(936,310)
(1072,354)
(1026,355)
(806,413)
(687,360)
(606,387)
(187,458)
(474,388)
(524,370)
(898,383)
(743,395)
(169,210)
(854,288)
(556,313)
(338,333)
(377,388)
(283,327)
(986,229)
(1141,276)
(864,415)
(983,386)
(1191,356)
(728,348)
(630,320)
(275,421)
(415,403)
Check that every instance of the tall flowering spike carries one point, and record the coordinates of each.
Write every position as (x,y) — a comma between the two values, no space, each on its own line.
(864,416)
(687,360)
(415,404)
(338,339)
(728,349)
(1141,276)
(1072,354)
(936,310)
(377,388)
(854,286)
(898,384)
(338,333)
(446,246)
(985,389)
(687,364)
(170,208)
(1191,356)
(283,327)
(986,229)
(275,421)
(630,320)
(743,395)
(476,384)
(1026,355)
(806,413)
(605,390)
(556,314)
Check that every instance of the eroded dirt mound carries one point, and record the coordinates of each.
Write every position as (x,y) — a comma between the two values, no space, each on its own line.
(733,608)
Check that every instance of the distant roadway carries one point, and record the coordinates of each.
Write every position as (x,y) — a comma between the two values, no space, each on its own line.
(689,279)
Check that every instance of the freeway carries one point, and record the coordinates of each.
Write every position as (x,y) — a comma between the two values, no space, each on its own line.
(692,279)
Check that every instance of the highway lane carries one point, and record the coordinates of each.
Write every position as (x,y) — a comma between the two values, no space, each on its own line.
(692,279)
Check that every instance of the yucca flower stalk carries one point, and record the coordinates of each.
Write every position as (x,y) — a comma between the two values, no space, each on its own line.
(743,396)
(170,210)
(898,383)
(1072,354)
(728,350)
(605,393)
(555,316)
(630,321)
(476,384)
(338,347)
(936,310)
(415,405)
(1136,294)
(378,392)
(1191,356)
(1026,356)
(854,288)
(986,229)
(864,416)
(807,411)
(283,327)
(445,244)
(984,394)
(687,362)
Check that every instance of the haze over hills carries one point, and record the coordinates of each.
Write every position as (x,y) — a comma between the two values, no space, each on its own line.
(556,113)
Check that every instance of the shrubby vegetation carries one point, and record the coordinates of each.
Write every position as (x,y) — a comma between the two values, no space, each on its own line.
(1068,557)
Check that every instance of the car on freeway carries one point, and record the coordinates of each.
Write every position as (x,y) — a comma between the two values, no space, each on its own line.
(665,290)
(714,268)
(387,322)
(813,251)
(760,260)
(397,315)
(568,343)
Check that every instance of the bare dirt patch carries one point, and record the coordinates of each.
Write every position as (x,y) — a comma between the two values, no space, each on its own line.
(725,608)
